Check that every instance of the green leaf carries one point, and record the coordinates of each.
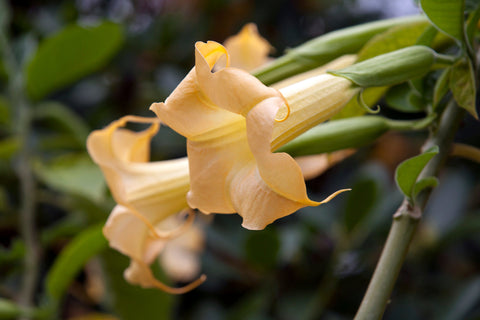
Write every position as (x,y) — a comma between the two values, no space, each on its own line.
(392,39)
(422,184)
(130,302)
(408,171)
(72,258)
(462,85)
(446,15)
(400,98)
(70,55)
(75,174)
(441,87)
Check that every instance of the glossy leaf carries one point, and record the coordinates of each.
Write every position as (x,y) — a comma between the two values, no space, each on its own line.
(69,55)
(74,174)
(446,15)
(462,85)
(72,258)
(408,171)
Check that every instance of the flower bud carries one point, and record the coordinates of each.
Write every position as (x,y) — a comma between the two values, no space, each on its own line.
(391,68)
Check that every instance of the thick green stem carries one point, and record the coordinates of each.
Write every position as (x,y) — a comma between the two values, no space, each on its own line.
(404,224)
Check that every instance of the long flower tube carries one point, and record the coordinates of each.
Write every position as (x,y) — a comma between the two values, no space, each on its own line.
(232,123)
(147,194)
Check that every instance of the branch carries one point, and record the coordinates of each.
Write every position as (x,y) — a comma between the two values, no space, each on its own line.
(405,222)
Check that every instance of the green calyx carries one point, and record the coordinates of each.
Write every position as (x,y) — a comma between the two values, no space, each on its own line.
(391,68)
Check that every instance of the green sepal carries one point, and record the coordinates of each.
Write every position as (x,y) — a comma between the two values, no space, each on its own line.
(407,173)
(390,68)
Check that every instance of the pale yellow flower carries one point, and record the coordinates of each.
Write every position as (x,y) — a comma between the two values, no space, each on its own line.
(147,193)
(228,117)
(248,50)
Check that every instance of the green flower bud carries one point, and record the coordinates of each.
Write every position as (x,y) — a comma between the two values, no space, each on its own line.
(325,48)
(348,133)
(391,68)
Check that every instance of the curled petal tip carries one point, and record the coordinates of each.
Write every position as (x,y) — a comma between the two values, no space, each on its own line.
(288,108)
(333,195)
(189,287)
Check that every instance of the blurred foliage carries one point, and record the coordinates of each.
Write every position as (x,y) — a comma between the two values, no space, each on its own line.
(85,63)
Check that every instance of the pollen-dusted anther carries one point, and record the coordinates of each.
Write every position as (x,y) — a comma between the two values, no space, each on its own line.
(288,108)
(164,235)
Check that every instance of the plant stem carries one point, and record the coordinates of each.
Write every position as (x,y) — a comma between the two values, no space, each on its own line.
(24,172)
(405,222)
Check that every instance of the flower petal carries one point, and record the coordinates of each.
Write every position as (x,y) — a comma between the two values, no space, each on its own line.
(240,91)
(248,50)
(129,235)
(153,189)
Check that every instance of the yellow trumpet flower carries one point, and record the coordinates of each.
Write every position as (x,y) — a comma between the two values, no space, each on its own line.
(230,120)
(148,194)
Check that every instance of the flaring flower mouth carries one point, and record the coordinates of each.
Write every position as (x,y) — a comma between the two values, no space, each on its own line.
(147,193)
(229,120)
